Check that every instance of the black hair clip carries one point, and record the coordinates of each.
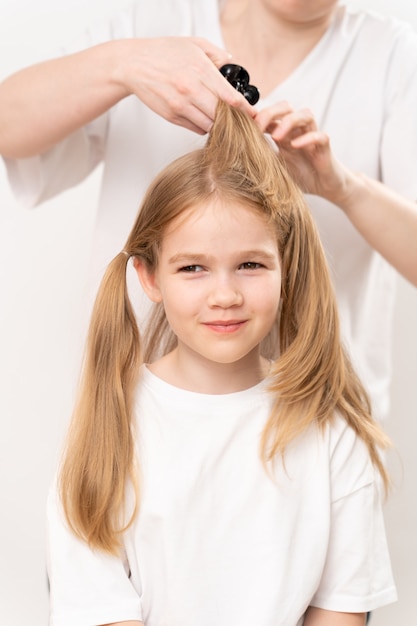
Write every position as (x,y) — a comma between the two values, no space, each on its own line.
(238,77)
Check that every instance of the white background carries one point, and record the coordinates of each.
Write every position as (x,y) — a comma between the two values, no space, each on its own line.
(43,264)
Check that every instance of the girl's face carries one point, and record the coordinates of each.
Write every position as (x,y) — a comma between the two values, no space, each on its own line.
(219,280)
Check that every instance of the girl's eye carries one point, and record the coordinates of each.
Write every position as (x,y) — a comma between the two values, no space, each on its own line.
(250,265)
(191,268)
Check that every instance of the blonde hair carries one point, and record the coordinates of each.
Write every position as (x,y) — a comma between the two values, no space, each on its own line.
(312,378)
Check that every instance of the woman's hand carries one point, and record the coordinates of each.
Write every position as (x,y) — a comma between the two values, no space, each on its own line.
(306,151)
(178,78)
(386,220)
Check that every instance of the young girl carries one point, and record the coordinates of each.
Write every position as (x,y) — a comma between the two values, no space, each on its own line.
(222,465)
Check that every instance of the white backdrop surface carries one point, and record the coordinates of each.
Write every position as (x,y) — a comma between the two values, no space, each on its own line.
(43,266)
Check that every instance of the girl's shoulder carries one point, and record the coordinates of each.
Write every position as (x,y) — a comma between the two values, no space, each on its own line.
(349,461)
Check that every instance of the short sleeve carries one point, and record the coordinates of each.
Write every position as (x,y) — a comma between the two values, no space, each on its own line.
(357,575)
(398,141)
(87,586)
(39,178)
(36,179)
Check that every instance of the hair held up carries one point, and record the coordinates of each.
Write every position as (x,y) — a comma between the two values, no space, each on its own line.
(312,378)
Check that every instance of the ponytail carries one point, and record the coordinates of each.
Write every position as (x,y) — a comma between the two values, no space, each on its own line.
(99,457)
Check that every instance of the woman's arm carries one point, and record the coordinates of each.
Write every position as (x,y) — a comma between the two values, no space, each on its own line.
(320,617)
(177,77)
(131,623)
(313,617)
(387,220)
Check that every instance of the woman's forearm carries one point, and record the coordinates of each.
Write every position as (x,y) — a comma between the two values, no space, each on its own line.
(387,220)
(320,617)
(177,77)
(130,623)
(44,103)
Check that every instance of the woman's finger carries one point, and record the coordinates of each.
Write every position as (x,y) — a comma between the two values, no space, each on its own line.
(294,125)
(270,116)
(313,138)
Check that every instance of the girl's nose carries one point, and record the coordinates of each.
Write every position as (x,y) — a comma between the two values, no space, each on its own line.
(225,293)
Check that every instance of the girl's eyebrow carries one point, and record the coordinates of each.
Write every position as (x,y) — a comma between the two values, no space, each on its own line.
(194,257)
(181,257)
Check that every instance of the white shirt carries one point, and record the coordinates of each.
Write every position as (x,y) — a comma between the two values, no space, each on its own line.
(219,541)
(360,81)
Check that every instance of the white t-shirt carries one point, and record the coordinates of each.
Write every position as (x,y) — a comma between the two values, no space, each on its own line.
(217,540)
(360,81)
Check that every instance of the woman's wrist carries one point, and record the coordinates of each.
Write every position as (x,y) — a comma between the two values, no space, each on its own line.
(113,59)
(351,192)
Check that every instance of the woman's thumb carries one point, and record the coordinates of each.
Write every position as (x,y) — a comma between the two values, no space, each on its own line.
(217,55)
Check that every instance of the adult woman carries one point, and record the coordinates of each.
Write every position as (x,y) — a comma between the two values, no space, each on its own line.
(355,72)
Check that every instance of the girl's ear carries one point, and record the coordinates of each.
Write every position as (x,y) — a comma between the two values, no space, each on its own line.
(148,280)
